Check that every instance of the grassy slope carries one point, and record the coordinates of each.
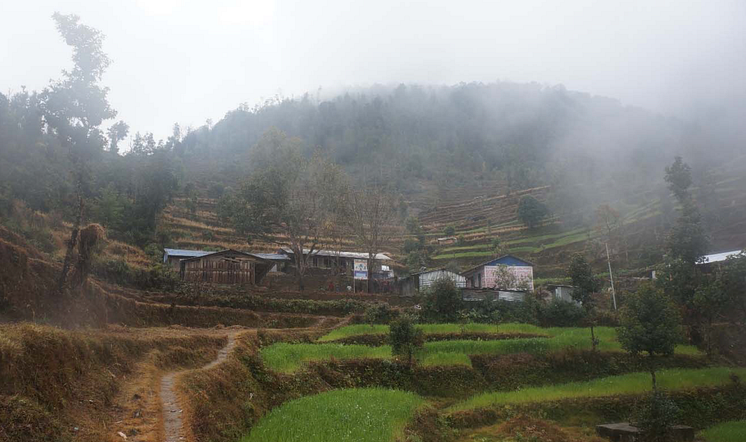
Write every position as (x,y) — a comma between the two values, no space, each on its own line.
(734,431)
(632,383)
(286,357)
(359,415)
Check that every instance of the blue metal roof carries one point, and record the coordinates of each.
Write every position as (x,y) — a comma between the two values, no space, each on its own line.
(509,260)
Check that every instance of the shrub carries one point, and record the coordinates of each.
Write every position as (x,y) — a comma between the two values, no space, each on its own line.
(117,271)
(449,231)
(405,339)
(380,314)
(443,300)
(656,416)
(560,313)
(411,245)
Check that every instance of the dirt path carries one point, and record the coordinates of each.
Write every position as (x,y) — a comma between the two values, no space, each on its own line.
(173,425)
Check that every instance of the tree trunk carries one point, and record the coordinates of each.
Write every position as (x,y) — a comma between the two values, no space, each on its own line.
(593,338)
(651,367)
(370,273)
(72,242)
(301,287)
(299,268)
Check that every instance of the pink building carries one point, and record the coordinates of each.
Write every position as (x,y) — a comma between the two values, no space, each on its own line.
(505,273)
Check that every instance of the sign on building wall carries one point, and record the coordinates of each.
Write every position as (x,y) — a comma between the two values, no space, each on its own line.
(360,269)
(509,277)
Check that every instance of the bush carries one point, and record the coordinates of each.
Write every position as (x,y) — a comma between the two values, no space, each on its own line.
(117,271)
(405,339)
(656,416)
(380,314)
(560,313)
(410,245)
(443,301)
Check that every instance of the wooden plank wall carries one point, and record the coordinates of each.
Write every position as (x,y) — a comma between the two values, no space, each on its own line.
(219,271)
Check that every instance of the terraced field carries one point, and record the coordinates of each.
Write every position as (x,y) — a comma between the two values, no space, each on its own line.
(286,357)
(458,360)
(352,415)
(472,207)
(632,383)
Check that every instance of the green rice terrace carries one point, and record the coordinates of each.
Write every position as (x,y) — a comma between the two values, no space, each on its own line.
(286,357)
(479,382)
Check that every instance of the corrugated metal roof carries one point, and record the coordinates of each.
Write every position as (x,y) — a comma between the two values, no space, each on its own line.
(717,257)
(184,252)
(508,260)
(271,256)
(333,253)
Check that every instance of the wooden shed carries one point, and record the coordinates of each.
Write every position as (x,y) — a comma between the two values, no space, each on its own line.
(225,267)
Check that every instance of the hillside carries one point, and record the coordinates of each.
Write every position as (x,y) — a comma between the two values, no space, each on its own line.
(464,155)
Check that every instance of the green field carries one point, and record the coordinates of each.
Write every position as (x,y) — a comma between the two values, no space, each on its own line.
(734,431)
(436,359)
(355,415)
(365,329)
(632,383)
(286,357)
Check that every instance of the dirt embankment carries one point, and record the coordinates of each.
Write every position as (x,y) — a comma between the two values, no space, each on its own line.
(28,291)
(70,385)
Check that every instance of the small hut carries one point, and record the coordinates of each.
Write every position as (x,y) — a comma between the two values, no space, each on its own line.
(225,267)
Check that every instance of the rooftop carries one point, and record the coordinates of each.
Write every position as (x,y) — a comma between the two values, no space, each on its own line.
(717,257)
(334,253)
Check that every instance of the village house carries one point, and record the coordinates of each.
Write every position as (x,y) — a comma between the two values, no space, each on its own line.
(561,292)
(507,273)
(419,281)
(343,261)
(713,260)
(173,257)
(223,267)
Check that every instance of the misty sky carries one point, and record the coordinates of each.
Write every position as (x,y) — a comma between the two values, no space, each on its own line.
(187,61)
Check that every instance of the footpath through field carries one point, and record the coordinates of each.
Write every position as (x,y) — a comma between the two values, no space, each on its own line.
(173,425)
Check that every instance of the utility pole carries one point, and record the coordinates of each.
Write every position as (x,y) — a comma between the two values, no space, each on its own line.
(611,276)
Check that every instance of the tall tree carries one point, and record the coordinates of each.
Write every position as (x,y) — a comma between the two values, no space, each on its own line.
(74,109)
(372,215)
(687,240)
(289,201)
(686,243)
(585,285)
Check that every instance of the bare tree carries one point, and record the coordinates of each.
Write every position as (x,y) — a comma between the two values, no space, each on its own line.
(289,201)
(371,217)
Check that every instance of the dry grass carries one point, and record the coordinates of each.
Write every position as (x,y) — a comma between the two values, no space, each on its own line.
(58,380)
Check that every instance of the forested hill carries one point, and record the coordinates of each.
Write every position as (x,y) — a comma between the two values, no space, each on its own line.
(524,135)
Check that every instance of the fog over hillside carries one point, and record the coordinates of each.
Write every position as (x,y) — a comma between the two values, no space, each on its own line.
(186,61)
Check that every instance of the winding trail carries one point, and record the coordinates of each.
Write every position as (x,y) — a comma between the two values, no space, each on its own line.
(173,425)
